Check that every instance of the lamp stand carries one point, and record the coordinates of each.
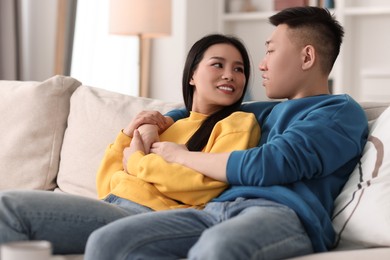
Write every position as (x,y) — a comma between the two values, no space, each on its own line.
(144,62)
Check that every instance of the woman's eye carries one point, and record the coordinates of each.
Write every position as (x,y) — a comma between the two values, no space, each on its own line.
(217,65)
(239,69)
(268,51)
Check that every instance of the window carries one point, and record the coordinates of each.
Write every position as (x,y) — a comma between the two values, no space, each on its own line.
(100,59)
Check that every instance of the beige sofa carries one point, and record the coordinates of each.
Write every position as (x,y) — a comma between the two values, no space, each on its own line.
(54,133)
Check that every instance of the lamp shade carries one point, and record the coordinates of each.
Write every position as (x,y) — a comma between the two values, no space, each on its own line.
(148,18)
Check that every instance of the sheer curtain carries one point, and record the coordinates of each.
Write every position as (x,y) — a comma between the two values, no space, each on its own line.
(35,38)
(100,59)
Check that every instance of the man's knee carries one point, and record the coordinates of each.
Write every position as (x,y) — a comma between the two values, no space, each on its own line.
(97,245)
(212,245)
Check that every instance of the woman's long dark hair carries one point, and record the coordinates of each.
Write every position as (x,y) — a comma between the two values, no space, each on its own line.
(200,138)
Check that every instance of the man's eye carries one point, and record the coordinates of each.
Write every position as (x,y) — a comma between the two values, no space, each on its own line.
(268,51)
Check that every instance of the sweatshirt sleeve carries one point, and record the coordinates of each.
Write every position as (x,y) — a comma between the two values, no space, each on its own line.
(309,148)
(110,164)
(188,186)
(177,114)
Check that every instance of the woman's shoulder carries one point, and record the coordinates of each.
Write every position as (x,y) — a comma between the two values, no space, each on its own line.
(242,115)
(240,120)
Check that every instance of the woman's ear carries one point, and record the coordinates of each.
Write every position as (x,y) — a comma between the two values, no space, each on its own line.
(192,83)
(308,57)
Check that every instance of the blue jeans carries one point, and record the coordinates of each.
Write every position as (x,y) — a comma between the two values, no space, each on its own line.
(241,229)
(64,220)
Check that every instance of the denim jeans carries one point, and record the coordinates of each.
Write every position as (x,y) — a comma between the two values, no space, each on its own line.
(241,229)
(64,220)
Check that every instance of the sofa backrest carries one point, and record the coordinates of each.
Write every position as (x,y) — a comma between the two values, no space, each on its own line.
(374,109)
(96,116)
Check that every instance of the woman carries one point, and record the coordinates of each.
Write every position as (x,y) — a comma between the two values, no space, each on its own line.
(214,83)
(215,79)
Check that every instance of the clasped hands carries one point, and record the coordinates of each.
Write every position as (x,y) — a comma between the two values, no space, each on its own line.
(144,130)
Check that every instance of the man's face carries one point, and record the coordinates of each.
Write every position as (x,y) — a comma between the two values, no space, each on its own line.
(281,67)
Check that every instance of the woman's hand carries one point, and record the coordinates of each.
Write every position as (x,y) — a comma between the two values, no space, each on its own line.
(149,135)
(170,152)
(148,117)
(136,144)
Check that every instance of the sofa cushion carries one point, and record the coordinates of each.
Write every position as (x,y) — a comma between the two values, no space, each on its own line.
(362,210)
(32,126)
(96,116)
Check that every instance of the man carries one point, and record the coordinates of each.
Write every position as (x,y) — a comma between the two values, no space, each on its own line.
(282,192)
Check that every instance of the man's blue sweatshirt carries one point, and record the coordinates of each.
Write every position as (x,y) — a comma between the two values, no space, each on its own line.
(308,148)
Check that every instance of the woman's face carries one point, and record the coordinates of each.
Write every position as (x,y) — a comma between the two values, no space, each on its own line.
(218,80)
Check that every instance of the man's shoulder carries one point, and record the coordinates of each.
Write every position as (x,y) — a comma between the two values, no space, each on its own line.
(343,104)
(327,104)
(341,109)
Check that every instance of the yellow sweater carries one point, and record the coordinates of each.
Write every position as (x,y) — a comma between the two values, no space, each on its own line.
(154,183)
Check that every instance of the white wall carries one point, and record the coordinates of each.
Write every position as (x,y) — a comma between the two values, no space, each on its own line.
(191,20)
(167,58)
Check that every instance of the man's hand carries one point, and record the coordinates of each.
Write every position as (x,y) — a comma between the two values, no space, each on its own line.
(135,145)
(212,165)
(148,117)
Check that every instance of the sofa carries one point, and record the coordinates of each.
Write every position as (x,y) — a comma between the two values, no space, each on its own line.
(54,133)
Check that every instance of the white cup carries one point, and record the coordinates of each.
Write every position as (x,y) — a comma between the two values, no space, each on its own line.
(31,250)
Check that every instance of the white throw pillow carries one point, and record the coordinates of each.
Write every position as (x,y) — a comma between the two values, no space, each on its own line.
(32,125)
(362,210)
(96,117)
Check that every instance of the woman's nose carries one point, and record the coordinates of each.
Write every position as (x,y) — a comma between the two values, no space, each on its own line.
(227,76)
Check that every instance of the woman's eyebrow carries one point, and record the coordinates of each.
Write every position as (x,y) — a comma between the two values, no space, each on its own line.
(217,58)
(223,59)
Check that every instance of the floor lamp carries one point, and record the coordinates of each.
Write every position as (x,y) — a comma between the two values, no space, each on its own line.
(146,19)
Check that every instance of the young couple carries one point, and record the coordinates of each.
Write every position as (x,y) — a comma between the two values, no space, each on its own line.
(280,195)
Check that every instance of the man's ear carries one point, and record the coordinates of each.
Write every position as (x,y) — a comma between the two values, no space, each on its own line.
(308,57)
